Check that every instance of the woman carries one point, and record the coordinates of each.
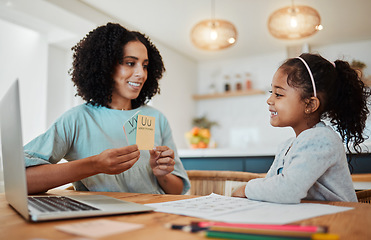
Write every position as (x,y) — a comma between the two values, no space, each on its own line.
(116,72)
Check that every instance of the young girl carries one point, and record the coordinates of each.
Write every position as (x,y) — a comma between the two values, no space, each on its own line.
(313,165)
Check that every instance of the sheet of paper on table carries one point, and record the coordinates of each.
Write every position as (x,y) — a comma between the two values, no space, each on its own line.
(241,210)
(98,228)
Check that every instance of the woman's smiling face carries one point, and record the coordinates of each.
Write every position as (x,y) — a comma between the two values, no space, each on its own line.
(130,76)
(286,105)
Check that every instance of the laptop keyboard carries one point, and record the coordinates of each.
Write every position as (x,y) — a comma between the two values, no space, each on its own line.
(58,204)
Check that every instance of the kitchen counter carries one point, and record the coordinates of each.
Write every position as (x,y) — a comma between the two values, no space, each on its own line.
(225,152)
(253,151)
(254,159)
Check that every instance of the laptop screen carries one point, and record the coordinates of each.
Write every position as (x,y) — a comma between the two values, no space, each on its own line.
(12,151)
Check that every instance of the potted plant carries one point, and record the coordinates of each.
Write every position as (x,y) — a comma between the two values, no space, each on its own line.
(358,66)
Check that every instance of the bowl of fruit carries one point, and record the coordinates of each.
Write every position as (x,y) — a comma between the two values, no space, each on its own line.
(199,136)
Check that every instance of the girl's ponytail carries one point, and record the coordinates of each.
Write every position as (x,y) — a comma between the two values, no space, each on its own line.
(348,108)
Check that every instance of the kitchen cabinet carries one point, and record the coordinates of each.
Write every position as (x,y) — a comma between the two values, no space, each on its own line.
(244,164)
(250,161)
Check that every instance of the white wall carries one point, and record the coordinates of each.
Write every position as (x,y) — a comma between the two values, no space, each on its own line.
(177,86)
(244,121)
(348,51)
(46,88)
(24,56)
(60,90)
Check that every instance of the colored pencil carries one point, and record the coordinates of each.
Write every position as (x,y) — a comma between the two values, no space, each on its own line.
(245,236)
(299,228)
(258,231)
(186,228)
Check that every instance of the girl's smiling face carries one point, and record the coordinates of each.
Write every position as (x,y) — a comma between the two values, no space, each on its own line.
(286,105)
(130,76)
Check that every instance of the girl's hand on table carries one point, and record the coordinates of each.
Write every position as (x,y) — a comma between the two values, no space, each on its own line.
(239,192)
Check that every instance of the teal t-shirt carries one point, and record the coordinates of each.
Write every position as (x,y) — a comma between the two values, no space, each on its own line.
(87,130)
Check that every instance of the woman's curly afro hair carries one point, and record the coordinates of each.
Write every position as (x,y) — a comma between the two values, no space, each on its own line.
(96,56)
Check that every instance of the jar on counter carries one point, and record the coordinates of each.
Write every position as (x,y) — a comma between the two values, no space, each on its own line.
(248,82)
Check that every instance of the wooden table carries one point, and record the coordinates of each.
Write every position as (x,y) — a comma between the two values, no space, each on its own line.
(353,224)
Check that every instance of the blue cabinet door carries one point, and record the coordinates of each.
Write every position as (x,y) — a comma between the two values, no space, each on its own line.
(360,163)
(246,164)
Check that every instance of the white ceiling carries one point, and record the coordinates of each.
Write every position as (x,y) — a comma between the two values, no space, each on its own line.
(169,22)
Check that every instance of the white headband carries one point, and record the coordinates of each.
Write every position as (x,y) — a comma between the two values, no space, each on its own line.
(310,74)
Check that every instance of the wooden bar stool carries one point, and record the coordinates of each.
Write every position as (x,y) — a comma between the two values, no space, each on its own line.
(364,195)
(205,182)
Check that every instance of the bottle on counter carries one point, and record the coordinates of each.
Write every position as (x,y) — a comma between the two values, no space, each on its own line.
(227,84)
(238,82)
(248,81)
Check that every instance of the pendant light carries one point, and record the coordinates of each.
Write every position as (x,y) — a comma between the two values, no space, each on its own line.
(213,34)
(294,22)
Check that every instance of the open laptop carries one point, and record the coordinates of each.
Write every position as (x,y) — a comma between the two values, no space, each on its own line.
(32,207)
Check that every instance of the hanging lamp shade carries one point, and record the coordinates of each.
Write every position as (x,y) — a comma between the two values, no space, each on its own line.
(214,34)
(294,22)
